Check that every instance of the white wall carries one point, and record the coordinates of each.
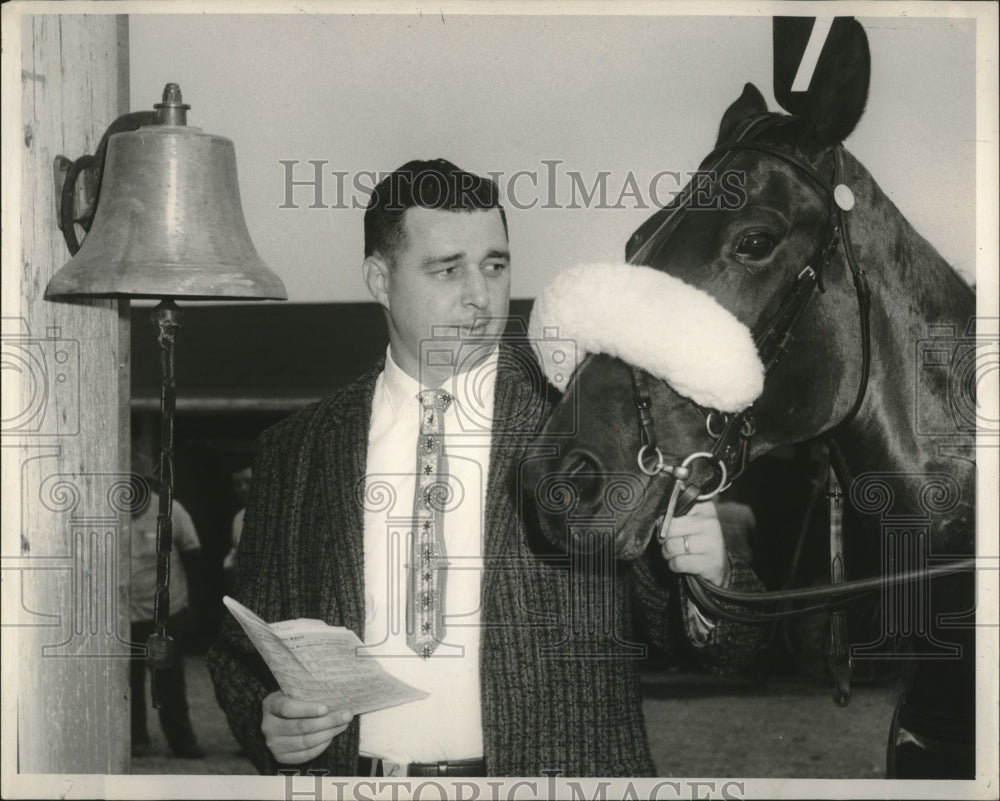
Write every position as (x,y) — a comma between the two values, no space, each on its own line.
(621,94)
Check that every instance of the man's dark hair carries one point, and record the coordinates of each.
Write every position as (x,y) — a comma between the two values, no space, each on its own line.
(436,184)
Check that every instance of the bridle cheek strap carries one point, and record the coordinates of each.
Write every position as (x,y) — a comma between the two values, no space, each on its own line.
(774,337)
(732,433)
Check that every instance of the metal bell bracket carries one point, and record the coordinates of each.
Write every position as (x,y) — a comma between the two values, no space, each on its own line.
(78,183)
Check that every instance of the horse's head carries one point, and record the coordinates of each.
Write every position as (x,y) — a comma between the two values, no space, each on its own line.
(713,298)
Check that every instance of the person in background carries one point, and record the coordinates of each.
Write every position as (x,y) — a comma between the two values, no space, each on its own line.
(184,557)
(242,479)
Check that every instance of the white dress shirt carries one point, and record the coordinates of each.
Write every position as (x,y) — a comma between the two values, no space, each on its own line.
(447,725)
(143,579)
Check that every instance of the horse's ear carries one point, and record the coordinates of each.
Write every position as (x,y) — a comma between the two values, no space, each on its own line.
(749,103)
(822,69)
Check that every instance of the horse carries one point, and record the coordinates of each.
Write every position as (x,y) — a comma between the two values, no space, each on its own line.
(783,298)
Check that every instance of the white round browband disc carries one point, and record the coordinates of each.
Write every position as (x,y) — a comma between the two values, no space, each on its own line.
(843,197)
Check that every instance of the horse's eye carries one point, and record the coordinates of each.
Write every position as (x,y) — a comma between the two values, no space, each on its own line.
(755,246)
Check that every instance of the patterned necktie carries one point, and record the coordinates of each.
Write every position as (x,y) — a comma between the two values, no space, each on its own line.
(428,567)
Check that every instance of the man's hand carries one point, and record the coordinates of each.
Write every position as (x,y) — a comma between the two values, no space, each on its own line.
(297,731)
(694,544)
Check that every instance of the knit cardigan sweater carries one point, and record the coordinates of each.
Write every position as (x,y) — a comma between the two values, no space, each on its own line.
(559,658)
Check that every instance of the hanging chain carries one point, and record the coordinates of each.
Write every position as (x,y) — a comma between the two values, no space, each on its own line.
(161,648)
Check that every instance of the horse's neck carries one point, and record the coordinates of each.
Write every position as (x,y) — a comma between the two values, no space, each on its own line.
(908,422)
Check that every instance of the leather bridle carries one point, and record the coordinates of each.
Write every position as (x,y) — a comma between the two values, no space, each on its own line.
(732,433)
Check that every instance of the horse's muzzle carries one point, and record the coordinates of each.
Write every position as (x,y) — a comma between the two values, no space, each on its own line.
(583,508)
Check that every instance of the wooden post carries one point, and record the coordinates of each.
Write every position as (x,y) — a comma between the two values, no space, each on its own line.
(65,416)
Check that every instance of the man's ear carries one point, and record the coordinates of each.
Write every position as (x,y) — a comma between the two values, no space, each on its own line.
(377,276)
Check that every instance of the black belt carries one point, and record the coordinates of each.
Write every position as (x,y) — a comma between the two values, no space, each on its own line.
(372,766)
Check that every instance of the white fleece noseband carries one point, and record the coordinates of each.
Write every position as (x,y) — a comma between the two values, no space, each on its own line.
(654,321)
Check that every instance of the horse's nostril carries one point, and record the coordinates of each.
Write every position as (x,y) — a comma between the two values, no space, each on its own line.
(581,462)
(586,474)
(573,487)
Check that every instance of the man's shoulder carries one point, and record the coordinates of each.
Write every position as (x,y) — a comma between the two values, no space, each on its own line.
(521,385)
(185,533)
(352,399)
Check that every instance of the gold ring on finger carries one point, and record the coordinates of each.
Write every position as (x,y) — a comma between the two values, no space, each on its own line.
(687,546)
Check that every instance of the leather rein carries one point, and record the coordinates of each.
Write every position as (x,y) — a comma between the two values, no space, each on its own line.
(732,433)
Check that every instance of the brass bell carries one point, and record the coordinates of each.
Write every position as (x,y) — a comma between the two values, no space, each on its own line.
(168,221)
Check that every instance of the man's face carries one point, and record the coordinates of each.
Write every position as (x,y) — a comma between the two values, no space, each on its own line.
(450,282)
(241,485)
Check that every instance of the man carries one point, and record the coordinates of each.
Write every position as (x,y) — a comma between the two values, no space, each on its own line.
(185,556)
(527,655)
(242,479)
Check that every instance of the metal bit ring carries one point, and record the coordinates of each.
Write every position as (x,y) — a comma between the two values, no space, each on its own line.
(657,468)
(722,466)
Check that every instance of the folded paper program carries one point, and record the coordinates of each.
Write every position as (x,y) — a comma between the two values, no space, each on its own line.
(653,321)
